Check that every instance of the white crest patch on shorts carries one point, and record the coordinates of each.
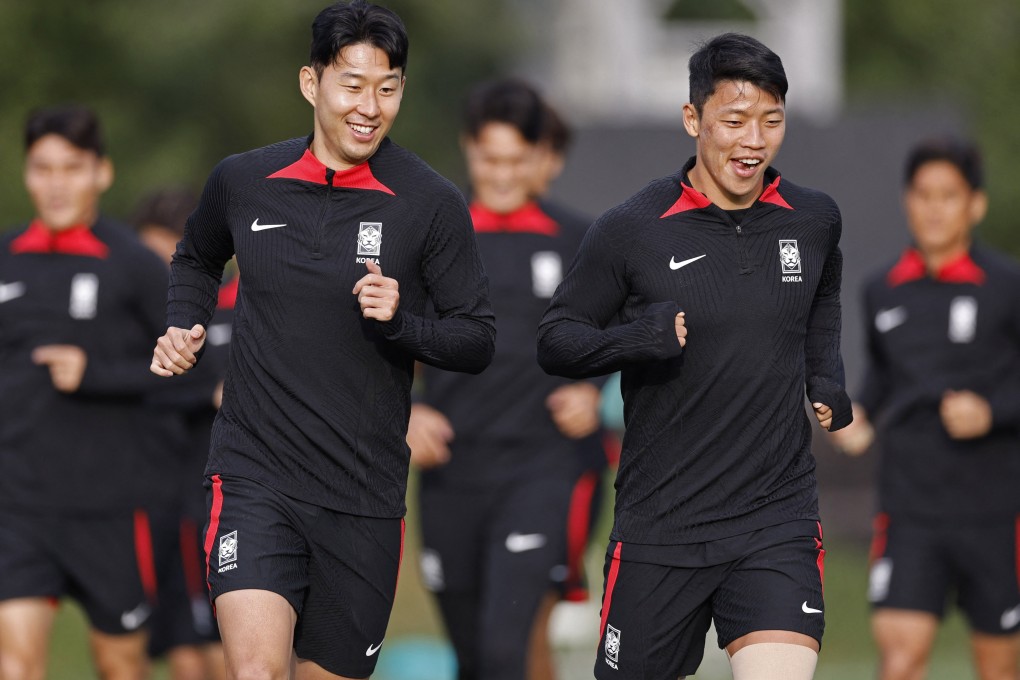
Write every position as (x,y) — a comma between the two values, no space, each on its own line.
(370,238)
(431,567)
(612,645)
(546,273)
(228,548)
(878,579)
(84,296)
(963,311)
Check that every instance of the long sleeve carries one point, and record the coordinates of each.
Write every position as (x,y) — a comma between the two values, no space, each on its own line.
(574,338)
(463,337)
(197,265)
(824,363)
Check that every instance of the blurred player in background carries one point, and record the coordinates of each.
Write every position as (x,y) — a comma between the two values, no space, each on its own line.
(84,455)
(505,503)
(183,628)
(941,397)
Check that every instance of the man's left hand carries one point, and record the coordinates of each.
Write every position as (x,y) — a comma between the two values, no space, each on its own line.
(965,414)
(575,409)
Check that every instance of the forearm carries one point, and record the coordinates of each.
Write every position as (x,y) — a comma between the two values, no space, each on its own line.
(575,349)
(456,343)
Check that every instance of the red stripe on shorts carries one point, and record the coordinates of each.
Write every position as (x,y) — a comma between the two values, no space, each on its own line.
(821,558)
(143,555)
(880,536)
(607,599)
(1017,539)
(578,527)
(190,558)
(214,522)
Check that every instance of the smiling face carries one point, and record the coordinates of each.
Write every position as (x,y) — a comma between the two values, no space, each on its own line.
(738,134)
(502,165)
(65,182)
(356,100)
(942,209)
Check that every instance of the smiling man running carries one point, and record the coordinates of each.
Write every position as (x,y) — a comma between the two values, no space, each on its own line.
(308,461)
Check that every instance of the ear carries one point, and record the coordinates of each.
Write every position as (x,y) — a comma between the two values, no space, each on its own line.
(692,123)
(104,175)
(308,82)
(978,207)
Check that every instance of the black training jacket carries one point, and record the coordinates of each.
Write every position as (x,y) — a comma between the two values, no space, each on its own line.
(956,330)
(317,397)
(717,436)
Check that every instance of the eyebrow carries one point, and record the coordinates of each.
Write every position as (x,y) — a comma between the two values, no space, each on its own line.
(393,75)
(740,110)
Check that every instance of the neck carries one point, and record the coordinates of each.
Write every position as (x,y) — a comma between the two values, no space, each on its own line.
(935,260)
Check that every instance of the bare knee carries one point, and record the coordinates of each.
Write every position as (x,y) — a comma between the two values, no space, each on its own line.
(19,667)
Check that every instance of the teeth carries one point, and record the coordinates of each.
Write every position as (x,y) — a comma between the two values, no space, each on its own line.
(750,161)
(362,129)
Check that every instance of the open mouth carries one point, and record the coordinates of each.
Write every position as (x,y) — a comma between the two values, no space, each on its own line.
(365,131)
(746,167)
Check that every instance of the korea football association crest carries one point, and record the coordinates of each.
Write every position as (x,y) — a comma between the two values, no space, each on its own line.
(228,552)
(370,238)
(789,259)
(612,646)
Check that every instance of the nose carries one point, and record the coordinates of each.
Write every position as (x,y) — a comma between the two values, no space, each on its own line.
(368,104)
(754,137)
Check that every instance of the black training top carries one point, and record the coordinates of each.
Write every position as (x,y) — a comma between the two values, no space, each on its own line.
(317,397)
(718,439)
(956,330)
(502,426)
(105,447)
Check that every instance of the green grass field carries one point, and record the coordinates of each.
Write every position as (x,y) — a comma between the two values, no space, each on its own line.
(848,652)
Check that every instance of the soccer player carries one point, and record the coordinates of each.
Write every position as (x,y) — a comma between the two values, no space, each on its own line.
(502,484)
(80,299)
(308,461)
(725,279)
(182,628)
(942,388)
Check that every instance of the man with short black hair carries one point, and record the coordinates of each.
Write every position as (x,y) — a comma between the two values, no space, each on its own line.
(308,462)
(81,446)
(716,292)
(942,387)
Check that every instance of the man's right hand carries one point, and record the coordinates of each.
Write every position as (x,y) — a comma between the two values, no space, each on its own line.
(429,434)
(176,350)
(855,438)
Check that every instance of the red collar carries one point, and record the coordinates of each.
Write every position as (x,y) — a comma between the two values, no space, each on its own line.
(911,267)
(529,218)
(308,168)
(692,199)
(76,240)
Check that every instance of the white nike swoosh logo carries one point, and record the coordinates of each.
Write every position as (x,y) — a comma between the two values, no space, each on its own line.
(255,226)
(134,619)
(673,264)
(1010,618)
(809,610)
(372,649)
(888,319)
(11,291)
(517,543)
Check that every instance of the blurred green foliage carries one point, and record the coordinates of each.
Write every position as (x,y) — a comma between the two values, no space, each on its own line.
(181,84)
(942,50)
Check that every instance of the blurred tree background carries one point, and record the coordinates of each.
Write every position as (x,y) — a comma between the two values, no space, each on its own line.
(184,83)
(181,84)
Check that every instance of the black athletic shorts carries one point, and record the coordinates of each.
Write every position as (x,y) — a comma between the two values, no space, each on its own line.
(104,562)
(655,616)
(919,566)
(338,571)
(183,615)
